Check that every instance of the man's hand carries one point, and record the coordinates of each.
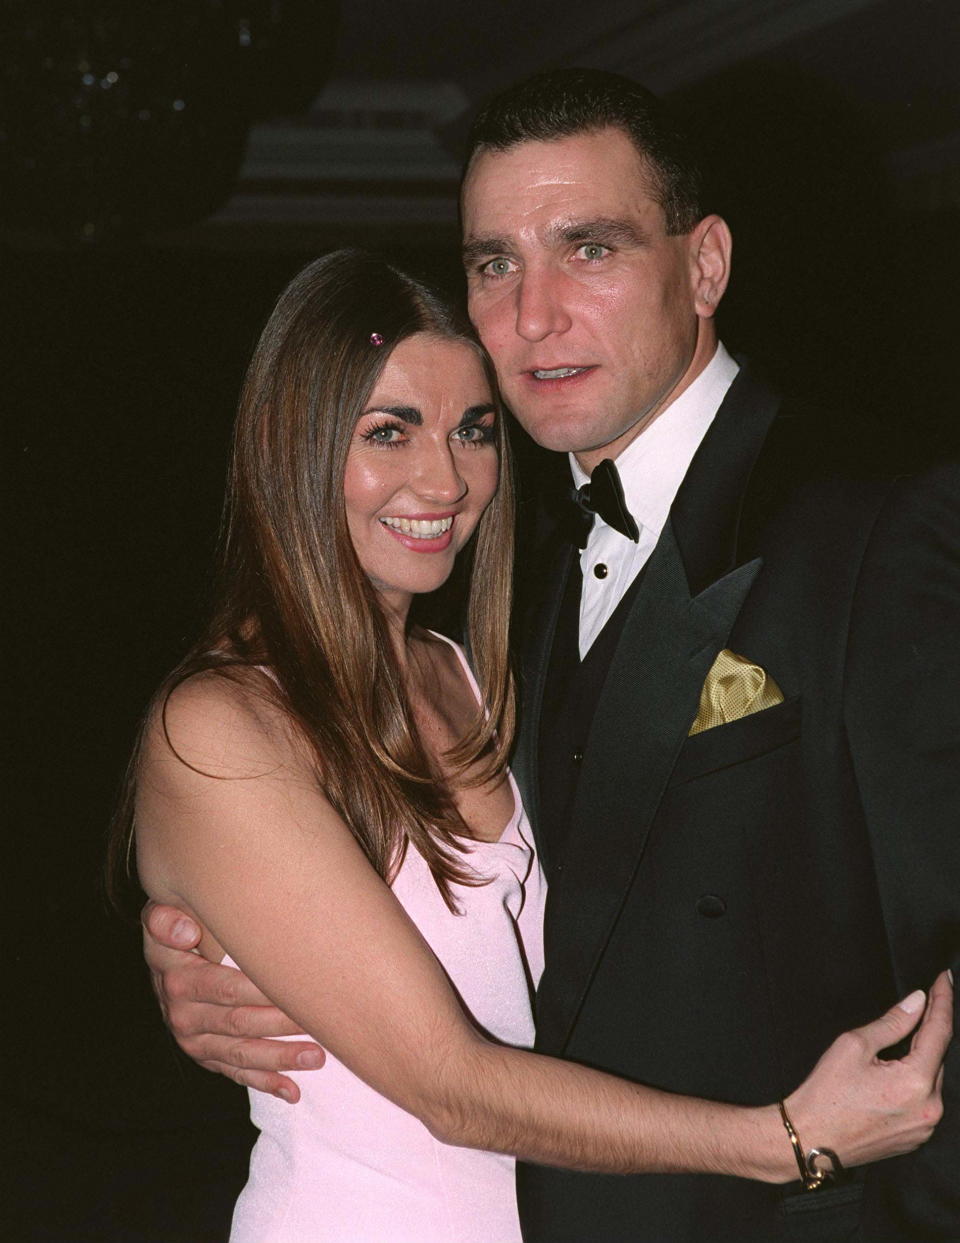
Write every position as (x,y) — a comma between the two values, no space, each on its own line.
(217,1016)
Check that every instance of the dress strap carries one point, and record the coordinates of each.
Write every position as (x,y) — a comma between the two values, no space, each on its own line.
(464,664)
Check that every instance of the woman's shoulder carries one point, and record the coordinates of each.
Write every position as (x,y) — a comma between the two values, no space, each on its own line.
(226,722)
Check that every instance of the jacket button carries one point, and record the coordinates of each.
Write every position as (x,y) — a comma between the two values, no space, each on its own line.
(578,757)
(711,907)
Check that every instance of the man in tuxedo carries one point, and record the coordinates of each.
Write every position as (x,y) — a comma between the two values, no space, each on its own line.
(745,798)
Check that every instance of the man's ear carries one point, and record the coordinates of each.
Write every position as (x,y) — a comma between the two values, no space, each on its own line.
(711,248)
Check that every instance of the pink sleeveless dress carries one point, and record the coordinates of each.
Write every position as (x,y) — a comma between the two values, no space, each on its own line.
(345,1165)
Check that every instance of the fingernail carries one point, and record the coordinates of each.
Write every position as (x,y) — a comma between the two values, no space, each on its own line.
(310,1059)
(185,930)
(914,1002)
(285,1094)
(950,974)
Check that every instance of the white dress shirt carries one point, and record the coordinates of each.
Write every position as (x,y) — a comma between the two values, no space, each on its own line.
(651,470)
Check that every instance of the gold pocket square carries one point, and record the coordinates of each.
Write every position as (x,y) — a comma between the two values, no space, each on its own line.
(734,688)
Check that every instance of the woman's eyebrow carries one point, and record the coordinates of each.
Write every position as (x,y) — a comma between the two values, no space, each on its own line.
(412,416)
(408,414)
(472,413)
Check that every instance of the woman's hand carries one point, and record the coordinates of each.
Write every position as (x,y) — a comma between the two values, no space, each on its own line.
(864,1108)
(240,836)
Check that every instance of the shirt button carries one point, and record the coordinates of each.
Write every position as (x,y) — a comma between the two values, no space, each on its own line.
(578,757)
(710,906)
(600,570)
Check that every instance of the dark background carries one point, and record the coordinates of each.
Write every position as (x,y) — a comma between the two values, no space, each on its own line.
(833,136)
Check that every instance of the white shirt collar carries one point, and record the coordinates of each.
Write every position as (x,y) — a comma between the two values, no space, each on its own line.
(653,465)
(651,468)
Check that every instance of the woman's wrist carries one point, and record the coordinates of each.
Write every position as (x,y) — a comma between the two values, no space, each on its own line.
(766,1152)
(816,1166)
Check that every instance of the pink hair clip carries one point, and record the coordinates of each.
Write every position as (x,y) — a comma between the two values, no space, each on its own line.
(376,339)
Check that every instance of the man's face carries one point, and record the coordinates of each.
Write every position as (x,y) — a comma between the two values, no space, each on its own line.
(596,318)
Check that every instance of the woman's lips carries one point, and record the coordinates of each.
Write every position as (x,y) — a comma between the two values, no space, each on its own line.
(432,534)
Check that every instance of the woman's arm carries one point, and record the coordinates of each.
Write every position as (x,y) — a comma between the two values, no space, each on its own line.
(250,846)
(217,1016)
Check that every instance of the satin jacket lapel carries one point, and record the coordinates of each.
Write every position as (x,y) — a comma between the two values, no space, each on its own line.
(536,642)
(707,509)
(687,606)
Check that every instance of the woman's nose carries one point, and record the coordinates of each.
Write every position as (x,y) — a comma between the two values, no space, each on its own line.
(438,478)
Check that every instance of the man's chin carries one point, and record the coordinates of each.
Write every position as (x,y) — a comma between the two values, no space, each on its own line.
(563,438)
(561,433)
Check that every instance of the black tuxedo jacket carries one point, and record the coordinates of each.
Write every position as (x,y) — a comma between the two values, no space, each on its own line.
(727,903)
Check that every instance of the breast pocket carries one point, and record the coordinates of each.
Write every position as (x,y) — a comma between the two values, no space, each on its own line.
(833,1213)
(738,741)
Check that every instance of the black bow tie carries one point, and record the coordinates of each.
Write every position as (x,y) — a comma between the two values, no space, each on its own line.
(603,496)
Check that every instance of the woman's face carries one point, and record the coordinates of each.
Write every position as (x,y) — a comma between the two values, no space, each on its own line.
(422,466)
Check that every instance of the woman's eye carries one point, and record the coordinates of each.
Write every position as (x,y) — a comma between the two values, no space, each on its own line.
(476,434)
(384,435)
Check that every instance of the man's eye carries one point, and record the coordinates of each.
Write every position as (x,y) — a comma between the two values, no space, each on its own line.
(593,250)
(497,267)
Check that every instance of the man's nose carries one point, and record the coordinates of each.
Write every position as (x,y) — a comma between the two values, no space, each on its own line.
(541,309)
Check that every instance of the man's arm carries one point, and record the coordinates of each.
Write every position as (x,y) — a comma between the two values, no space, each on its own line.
(217,1016)
(232,827)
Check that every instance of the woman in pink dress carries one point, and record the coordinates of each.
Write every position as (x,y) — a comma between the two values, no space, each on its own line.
(322,784)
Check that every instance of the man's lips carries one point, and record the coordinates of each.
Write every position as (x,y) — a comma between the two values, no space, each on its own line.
(562,372)
(561,375)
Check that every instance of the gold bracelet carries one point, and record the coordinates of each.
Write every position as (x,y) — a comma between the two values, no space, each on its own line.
(812,1176)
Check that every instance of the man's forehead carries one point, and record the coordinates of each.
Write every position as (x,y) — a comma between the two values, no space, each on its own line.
(536,209)
(585,167)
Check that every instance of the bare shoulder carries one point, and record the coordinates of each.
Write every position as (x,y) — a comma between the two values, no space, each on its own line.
(217,750)
(222,725)
(222,774)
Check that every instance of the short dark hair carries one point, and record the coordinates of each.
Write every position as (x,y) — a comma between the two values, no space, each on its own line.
(563,102)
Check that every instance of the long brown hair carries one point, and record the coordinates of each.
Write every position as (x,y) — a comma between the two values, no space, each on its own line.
(292,596)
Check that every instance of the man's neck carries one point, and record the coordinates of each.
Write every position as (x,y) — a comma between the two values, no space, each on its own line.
(716,373)
(703,356)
